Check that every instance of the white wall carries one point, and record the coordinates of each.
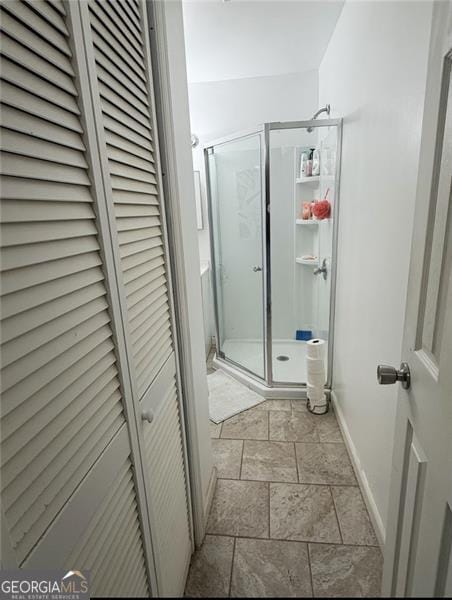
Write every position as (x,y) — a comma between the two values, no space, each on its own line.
(219,108)
(373,74)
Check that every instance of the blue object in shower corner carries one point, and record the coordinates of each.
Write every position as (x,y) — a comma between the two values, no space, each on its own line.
(303,335)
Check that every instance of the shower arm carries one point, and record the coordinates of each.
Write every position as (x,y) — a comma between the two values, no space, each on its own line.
(326,109)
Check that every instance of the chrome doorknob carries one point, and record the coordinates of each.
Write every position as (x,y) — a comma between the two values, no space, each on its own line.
(256,268)
(387,375)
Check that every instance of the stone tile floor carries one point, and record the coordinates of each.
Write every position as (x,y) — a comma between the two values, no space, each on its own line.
(287,518)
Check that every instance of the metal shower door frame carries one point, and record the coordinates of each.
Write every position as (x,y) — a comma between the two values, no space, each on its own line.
(264,133)
(208,151)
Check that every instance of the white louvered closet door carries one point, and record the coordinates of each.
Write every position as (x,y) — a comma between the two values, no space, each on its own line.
(68,494)
(119,61)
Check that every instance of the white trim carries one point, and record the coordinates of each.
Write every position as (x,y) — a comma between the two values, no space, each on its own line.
(211,492)
(363,482)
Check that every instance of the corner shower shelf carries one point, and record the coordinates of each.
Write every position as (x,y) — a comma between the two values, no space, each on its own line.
(311,221)
(312,179)
(315,179)
(313,262)
(307,222)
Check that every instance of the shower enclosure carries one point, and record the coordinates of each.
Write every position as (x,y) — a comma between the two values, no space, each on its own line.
(273,260)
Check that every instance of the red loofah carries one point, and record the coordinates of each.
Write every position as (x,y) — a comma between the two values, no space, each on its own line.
(321,209)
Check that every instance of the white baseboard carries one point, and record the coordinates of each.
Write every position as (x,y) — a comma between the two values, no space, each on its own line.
(360,474)
(209,496)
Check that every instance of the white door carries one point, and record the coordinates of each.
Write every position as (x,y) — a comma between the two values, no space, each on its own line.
(120,83)
(69,491)
(418,558)
(92,441)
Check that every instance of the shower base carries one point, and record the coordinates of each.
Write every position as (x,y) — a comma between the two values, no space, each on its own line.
(290,368)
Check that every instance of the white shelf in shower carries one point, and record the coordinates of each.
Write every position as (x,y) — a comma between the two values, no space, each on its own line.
(313,262)
(315,179)
(307,222)
(312,221)
(312,179)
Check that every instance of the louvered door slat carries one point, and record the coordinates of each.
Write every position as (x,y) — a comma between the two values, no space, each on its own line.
(58,5)
(50,14)
(41,27)
(122,131)
(133,274)
(59,409)
(133,25)
(112,554)
(130,46)
(109,88)
(30,104)
(15,303)
(54,395)
(39,211)
(29,59)
(33,83)
(41,129)
(170,485)
(29,189)
(131,156)
(106,36)
(27,145)
(119,72)
(62,405)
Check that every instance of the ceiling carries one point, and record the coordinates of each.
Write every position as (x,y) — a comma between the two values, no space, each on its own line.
(255,38)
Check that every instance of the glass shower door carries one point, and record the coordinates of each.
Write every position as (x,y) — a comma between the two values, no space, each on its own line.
(234,170)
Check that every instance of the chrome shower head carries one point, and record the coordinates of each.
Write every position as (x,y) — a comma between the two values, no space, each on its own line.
(326,109)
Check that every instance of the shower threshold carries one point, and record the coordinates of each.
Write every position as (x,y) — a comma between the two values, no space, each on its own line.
(249,354)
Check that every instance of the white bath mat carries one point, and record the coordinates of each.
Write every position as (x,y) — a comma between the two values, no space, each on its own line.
(228,397)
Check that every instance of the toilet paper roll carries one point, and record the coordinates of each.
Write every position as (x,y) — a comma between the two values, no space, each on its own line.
(315,392)
(314,365)
(316,379)
(315,348)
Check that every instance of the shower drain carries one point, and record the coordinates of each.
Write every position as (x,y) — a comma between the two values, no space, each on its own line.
(282,357)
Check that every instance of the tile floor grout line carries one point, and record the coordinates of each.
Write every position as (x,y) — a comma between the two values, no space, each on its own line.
(241,459)
(335,512)
(345,485)
(310,570)
(232,567)
(292,541)
(269,512)
(296,461)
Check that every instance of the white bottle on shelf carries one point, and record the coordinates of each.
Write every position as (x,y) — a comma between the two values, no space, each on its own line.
(303,165)
(316,162)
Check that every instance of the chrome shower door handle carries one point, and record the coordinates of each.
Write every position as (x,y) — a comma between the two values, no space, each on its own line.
(323,269)
(256,269)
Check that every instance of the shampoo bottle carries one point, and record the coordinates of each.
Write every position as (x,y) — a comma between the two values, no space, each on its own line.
(316,162)
(309,163)
(303,165)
